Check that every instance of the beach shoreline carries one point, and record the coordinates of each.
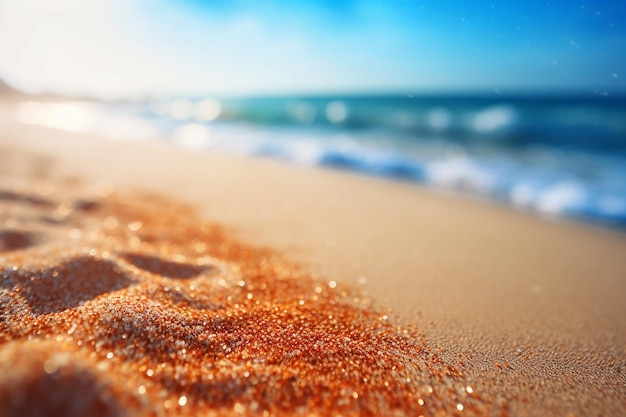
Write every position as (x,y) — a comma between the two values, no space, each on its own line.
(529,309)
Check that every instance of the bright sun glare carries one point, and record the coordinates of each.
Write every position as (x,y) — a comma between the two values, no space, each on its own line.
(74,46)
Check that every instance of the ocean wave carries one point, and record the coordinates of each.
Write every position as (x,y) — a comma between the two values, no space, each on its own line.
(563,158)
(551,182)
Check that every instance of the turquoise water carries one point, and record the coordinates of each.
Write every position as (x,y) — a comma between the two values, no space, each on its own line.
(564,156)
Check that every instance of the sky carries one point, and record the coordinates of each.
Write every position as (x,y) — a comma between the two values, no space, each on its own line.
(124,48)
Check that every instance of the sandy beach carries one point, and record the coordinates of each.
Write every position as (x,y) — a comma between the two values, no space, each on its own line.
(361,295)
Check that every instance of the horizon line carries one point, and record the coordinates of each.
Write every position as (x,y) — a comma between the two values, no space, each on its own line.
(410,92)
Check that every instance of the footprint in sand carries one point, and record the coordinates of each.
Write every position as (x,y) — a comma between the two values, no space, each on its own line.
(11,240)
(169,269)
(70,284)
(39,379)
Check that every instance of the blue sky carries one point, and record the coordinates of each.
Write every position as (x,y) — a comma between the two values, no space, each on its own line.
(133,47)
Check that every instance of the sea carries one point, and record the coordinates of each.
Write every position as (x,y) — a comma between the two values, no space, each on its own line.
(558,155)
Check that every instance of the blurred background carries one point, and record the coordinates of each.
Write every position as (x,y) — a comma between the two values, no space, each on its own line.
(523,103)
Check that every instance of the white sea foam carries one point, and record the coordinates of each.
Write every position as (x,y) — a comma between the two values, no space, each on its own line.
(494,118)
(192,136)
(560,197)
(460,172)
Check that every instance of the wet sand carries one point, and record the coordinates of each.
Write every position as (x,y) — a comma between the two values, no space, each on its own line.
(526,311)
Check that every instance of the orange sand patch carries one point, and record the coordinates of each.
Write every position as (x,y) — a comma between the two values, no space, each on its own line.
(129,304)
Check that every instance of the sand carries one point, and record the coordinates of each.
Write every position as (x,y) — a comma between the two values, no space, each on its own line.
(528,312)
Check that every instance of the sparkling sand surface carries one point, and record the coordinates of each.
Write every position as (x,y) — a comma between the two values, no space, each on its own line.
(127,304)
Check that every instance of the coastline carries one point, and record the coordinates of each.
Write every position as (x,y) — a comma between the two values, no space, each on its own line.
(533,305)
